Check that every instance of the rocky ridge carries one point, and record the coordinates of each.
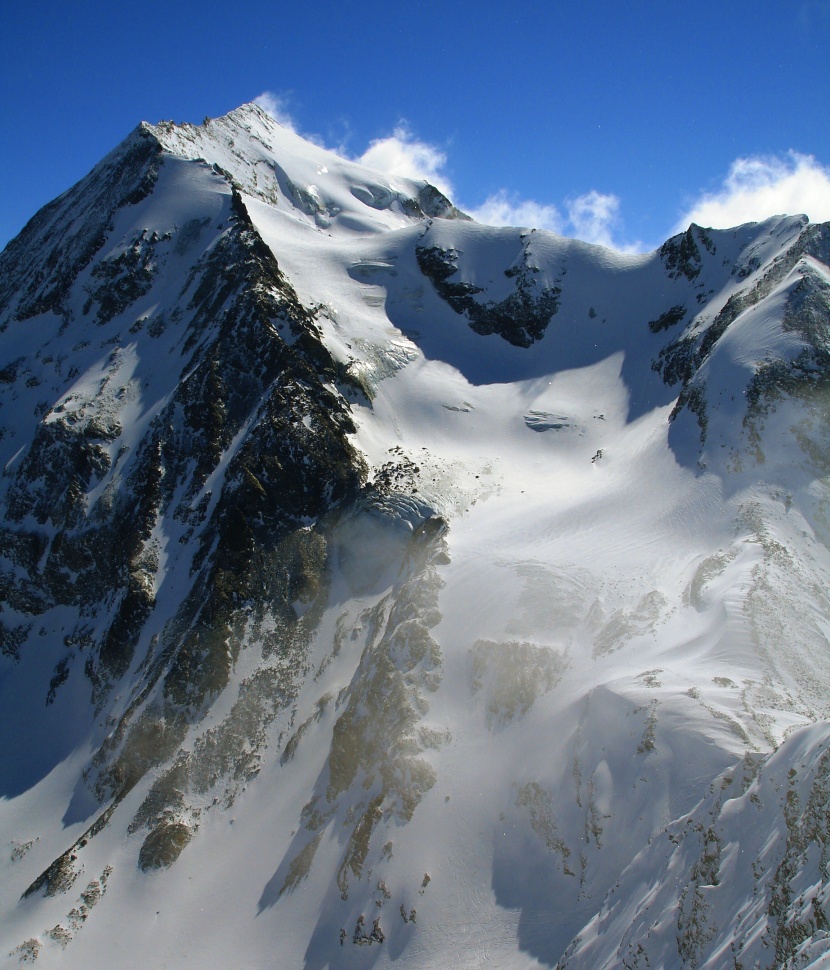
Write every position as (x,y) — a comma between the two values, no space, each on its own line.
(229,556)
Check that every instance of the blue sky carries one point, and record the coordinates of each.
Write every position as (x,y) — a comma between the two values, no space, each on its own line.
(616,122)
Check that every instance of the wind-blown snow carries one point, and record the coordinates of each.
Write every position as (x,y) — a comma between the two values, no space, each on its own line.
(631,600)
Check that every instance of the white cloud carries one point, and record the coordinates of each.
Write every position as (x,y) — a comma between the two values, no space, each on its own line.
(506,209)
(755,188)
(762,186)
(403,154)
(593,216)
(274,105)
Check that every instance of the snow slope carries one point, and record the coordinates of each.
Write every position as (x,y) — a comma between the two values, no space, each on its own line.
(400,567)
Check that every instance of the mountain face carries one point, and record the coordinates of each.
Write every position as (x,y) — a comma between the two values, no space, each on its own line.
(377,587)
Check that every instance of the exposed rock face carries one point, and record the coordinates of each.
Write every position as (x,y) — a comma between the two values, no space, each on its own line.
(521,318)
(741,881)
(247,451)
(682,255)
(807,305)
(418,545)
(380,733)
(41,265)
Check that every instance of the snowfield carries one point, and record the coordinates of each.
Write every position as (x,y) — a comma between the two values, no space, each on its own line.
(363,563)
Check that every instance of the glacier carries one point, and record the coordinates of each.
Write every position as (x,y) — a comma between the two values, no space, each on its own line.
(364,566)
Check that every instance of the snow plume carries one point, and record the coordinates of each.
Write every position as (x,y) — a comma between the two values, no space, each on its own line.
(402,154)
(593,216)
(506,209)
(761,186)
(274,105)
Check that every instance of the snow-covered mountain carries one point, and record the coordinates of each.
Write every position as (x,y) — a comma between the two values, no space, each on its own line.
(382,588)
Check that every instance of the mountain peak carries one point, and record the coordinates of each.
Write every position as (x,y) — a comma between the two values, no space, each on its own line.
(375,579)
(272,163)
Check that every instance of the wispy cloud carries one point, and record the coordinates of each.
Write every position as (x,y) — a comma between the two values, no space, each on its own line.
(275,105)
(755,188)
(504,208)
(758,187)
(401,153)
(595,217)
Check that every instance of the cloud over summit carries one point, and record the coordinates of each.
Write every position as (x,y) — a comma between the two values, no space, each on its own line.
(754,188)
(757,187)
(274,105)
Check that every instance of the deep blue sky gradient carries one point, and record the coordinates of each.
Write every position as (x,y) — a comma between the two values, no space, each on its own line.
(651,101)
